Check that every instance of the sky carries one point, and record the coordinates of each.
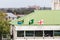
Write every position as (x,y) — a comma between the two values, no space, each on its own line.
(24,3)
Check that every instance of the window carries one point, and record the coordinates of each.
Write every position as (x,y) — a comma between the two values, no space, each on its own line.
(4,35)
(38,33)
(57,33)
(29,33)
(9,17)
(48,33)
(13,18)
(20,33)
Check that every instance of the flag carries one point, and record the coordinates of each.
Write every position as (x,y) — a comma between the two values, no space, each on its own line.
(31,21)
(41,22)
(21,22)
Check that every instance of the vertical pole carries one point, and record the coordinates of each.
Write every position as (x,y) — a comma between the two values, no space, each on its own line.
(44,4)
(43,34)
(13,32)
(34,34)
(53,34)
(24,34)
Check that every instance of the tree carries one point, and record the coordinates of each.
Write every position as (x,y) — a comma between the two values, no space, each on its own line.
(4,25)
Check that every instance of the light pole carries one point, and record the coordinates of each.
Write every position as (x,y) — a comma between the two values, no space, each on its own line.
(44,4)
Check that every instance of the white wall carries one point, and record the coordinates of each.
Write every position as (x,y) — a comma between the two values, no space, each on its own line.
(37,39)
(37,27)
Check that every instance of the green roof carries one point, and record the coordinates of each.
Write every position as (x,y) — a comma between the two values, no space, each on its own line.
(50,17)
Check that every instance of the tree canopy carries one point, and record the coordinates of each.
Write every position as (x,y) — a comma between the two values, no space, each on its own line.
(4,24)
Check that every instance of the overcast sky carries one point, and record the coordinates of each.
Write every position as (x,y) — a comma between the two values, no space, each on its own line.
(24,3)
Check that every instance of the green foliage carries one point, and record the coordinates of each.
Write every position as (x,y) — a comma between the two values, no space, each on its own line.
(4,24)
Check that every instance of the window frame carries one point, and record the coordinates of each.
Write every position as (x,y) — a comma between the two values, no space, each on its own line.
(38,31)
(20,35)
(29,35)
(47,32)
(56,31)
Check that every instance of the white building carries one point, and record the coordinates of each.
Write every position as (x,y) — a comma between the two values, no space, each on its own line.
(11,16)
(39,25)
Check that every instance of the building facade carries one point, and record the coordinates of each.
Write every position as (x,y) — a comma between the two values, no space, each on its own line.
(39,25)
